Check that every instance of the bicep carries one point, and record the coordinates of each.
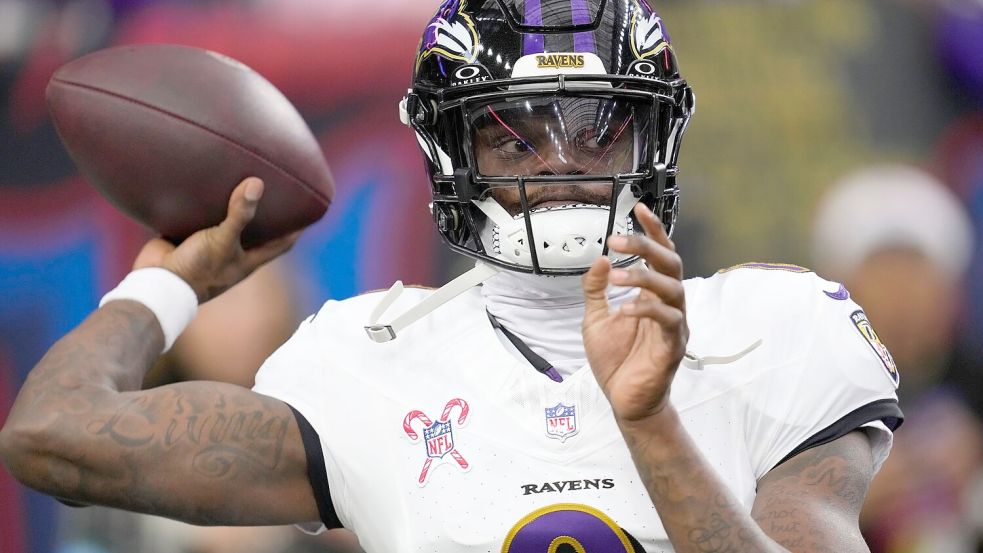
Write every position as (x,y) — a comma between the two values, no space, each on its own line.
(812,502)
(201,452)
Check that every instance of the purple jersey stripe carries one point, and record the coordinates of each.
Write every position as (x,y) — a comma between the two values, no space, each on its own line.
(533,43)
(554,375)
(582,42)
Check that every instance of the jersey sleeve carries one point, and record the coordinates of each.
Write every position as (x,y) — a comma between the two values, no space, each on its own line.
(834,376)
(295,374)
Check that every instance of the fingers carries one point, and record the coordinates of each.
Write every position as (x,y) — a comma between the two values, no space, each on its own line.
(260,255)
(652,225)
(669,317)
(654,247)
(668,289)
(242,207)
(658,256)
(663,296)
(595,284)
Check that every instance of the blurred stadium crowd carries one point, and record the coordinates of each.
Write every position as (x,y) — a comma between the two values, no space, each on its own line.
(842,135)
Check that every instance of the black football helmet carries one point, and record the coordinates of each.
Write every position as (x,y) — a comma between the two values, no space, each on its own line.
(543,122)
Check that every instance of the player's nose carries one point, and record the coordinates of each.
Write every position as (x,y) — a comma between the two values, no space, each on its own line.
(555,159)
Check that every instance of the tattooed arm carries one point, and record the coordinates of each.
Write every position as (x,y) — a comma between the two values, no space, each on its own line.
(812,502)
(634,352)
(809,504)
(202,452)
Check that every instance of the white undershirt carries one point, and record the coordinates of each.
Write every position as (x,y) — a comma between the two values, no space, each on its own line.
(546,314)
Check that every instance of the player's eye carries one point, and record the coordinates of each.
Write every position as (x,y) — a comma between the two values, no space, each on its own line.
(591,139)
(511,146)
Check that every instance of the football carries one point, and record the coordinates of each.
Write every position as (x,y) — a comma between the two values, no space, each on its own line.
(166,133)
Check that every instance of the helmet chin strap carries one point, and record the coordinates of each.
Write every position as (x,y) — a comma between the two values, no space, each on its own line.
(381,333)
(567,237)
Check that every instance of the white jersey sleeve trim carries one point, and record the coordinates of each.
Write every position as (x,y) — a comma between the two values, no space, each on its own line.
(886,412)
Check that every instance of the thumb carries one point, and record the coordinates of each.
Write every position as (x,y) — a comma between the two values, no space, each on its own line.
(595,284)
(242,207)
(260,255)
(152,254)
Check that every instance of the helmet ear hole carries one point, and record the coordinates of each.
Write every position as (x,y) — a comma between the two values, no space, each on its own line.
(447,217)
(418,111)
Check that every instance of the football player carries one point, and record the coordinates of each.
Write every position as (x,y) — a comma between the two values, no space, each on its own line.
(582,399)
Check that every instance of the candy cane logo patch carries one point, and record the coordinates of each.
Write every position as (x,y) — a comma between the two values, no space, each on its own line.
(438,437)
(859,319)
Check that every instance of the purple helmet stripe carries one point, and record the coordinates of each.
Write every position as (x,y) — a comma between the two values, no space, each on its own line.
(533,43)
(582,42)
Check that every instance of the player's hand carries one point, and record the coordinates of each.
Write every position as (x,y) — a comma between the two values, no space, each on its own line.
(213,260)
(636,350)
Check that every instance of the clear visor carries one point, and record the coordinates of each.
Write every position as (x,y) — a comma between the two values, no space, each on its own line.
(556,135)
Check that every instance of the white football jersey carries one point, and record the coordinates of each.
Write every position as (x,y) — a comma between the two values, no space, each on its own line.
(444,441)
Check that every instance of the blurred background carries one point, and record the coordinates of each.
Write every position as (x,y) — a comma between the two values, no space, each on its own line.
(842,135)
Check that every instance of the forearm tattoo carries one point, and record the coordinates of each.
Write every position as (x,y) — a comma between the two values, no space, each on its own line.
(840,473)
(809,504)
(179,451)
(201,438)
(698,512)
(223,437)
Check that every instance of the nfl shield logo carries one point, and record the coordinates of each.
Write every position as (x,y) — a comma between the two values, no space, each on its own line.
(439,439)
(561,422)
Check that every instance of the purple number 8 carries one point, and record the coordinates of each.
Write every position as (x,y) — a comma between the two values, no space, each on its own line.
(584,528)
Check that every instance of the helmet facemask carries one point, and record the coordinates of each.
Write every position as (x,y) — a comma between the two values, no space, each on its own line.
(541,139)
(553,174)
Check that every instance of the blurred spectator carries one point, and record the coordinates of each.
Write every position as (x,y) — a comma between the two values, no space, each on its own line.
(901,242)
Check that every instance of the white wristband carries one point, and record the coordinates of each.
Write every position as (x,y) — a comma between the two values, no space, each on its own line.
(170,298)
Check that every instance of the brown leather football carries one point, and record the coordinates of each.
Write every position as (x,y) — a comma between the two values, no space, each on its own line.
(166,133)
